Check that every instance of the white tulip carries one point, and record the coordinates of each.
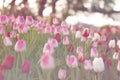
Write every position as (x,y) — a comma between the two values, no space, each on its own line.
(111,44)
(78,34)
(96,37)
(98,64)
(118,43)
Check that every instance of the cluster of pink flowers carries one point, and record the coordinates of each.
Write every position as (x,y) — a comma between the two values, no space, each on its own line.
(80,46)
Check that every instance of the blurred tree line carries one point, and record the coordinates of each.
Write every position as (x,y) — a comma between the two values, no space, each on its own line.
(101,6)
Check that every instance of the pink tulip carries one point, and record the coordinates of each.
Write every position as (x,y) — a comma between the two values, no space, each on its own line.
(48,47)
(57,29)
(53,42)
(1,29)
(7,41)
(55,21)
(4,19)
(88,65)
(29,20)
(2,76)
(94,52)
(63,24)
(8,61)
(25,67)
(65,31)
(115,55)
(79,50)
(22,28)
(71,61)
(66,40)
(48,29)
(62,74)
(20,20)
(20,46)
(47,61)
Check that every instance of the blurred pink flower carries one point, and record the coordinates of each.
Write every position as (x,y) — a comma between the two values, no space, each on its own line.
(65,31)
(62,74)
(8,62)
(22,28)
(115,55)
(20,46)
(70,47)
(48,47)
(63,24)
(88,65)
(29,20)
(7,41)
(47,29)
(4,19)
(53,42)
(2,76)
(1,29)
(47,61)
(79,49)
(85,32)
(109,62)
(55,21)
(66,40)
(20,20)
(81,57)
(94,52)
(71,61)
(25,67)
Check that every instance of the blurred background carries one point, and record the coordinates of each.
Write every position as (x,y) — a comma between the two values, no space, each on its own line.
(94,12)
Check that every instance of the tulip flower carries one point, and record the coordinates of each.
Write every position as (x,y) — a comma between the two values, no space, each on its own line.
(85,32)
(111,44)
(71,61)
(8,61)
(62,74)
(70,48)
(94,52)
(25,67)
(118,66)
(98,64)
(58,37)
(47,61)
(79,49)
(65,40)
(4,19)
(48,47)
(29,20)
(78,34)
(88,65)
(115,55)
(20,46)
(7,41)
(81,57)
(96,37)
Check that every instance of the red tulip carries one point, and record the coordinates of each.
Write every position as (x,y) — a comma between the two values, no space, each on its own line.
(70,48)
(85,32)
(8,61)
(57,37)
(25,67)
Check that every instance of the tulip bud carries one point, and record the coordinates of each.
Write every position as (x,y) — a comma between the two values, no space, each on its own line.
(7,41)
(94,52)
(70,48)
(81,57)
(57,37)
(115,55)
(66,40)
